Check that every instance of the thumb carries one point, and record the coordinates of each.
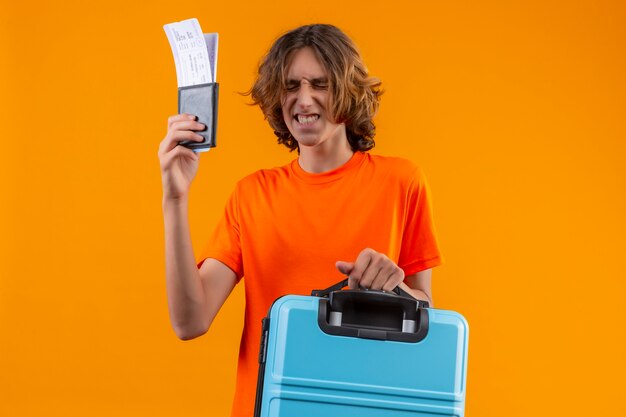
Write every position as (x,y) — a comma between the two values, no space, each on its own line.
(344,267)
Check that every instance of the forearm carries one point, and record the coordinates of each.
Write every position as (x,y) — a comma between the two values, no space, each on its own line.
(185,293)
(418,294)
(419,285)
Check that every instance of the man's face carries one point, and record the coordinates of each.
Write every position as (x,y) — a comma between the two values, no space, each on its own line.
(306,100)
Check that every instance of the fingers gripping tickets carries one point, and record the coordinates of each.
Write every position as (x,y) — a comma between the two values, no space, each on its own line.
(179,164)
(372,270)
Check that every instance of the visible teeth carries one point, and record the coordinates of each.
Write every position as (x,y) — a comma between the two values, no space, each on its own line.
(307,119)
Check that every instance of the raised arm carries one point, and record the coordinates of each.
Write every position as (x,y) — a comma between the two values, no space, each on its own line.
(194,295)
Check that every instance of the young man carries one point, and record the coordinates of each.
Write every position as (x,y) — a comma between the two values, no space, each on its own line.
(334,210)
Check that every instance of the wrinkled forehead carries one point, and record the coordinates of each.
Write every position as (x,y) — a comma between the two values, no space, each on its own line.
(304,64)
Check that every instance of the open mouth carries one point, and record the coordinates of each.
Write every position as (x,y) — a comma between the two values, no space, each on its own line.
(306,119)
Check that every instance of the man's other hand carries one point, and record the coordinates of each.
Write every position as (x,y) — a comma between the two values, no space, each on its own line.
(372,270)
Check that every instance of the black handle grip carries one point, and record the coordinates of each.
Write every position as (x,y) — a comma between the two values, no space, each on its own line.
(372,314)
(335,287)
(342,284)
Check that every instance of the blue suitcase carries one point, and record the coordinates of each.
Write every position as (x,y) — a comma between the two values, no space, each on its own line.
(361,353)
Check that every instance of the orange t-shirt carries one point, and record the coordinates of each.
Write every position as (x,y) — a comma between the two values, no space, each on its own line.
(284,229)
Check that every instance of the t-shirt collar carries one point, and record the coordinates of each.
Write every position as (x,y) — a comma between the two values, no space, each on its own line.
(328,176)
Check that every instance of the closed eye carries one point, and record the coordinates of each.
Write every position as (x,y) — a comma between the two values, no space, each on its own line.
(292,85)
(320,83)
(320,86)
(316,83)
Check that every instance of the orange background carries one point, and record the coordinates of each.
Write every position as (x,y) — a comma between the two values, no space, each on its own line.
(515,110)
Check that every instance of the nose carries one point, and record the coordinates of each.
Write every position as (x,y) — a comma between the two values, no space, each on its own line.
(305,96)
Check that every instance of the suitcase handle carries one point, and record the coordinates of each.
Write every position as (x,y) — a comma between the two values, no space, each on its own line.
(342,284)
(372,314)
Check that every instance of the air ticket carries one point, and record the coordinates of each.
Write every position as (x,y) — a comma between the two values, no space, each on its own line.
(195,53)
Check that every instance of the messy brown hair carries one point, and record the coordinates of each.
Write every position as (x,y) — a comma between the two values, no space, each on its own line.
(354,95)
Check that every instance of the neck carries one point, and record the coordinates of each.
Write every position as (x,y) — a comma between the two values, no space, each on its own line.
(326,156)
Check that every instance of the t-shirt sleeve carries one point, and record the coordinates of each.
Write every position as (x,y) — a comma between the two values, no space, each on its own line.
(419,250)
(225,242)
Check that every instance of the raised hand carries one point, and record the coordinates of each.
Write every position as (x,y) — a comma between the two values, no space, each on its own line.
(179,164)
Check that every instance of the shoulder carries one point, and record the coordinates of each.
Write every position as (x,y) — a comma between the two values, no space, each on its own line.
(396,168)
(263,179)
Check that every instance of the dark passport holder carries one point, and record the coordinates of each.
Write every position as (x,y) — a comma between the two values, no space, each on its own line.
(201,101)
